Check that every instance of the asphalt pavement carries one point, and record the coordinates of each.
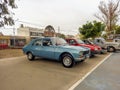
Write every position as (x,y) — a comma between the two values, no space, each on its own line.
(19,73)
(105,77)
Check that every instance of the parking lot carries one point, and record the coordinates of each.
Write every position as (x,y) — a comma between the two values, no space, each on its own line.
(104,77)
(20,74)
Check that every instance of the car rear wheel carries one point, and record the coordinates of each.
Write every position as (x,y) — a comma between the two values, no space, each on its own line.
(30,56)
(67,60)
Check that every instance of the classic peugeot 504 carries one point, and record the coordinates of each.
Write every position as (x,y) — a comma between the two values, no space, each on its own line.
(56,49)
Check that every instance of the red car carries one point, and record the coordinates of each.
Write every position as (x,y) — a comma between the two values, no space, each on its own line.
(77,42)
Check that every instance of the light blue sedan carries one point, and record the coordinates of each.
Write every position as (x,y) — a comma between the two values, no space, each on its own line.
(56,49)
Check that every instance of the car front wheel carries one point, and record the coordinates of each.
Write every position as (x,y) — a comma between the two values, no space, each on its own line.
(111,49)
(67,60)
(30,56)
(82,60)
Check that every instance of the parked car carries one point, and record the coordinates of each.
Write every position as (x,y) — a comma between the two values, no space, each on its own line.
(116,40)
(77,42)
(109,46)
(56,49)
(88,42)
(3,46)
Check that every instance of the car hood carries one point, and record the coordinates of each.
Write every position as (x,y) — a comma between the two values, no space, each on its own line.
(89,46)
(112,43)
(95,46)
(76,47)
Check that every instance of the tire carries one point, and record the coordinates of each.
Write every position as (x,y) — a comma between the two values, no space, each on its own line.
(67,60)
(92,55)
(30,56)
(82,60)
(111,49)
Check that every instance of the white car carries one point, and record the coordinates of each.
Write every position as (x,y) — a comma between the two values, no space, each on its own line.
(110,46)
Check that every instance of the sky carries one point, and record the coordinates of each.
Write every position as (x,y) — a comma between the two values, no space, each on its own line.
(69,15)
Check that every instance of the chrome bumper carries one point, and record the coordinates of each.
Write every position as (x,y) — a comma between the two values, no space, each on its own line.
(81,58)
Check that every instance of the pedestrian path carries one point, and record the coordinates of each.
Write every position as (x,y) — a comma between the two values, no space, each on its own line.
(105,77)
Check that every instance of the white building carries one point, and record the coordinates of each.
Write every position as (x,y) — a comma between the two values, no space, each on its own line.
(30,32)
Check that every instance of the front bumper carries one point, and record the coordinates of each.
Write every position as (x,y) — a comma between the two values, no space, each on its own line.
(104,51)
(80,58)
(95,52)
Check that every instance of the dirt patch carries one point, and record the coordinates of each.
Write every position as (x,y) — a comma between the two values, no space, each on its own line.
(7,53)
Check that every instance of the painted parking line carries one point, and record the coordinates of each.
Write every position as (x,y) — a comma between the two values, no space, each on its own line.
(79,81)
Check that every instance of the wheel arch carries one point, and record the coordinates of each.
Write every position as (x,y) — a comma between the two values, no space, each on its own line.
(28,52)
(60,57)
(111,47)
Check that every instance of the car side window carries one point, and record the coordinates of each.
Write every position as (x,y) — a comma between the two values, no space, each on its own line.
(98,40)
(86,42)
(47,42)
(72,42)
(116,40)
(37,43)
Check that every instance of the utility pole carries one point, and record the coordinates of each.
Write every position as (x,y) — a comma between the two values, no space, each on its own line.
(14,43)
(14,37)
(58,30)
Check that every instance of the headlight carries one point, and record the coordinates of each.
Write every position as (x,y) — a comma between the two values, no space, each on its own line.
(96,49)
(81,53)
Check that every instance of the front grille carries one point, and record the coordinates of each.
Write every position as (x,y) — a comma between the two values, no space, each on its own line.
(86,52)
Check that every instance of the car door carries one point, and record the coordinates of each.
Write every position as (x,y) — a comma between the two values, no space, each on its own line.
(48,49)
(37,47)
(43,48)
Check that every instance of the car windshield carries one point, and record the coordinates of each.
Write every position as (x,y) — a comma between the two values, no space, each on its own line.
(80,41)
(86,42)
(103,40)
(90,42)
(59,41)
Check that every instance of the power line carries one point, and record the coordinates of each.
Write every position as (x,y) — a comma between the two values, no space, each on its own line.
(31,23)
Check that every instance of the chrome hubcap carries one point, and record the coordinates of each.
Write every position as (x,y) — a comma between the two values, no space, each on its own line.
(67,61)
(111,49)
(29,55)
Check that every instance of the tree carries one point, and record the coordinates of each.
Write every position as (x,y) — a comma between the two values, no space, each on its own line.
(117,29)
(60,35)
(5,14)
(92,29)
(109,13)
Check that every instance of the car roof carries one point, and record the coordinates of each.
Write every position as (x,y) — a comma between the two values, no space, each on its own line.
(46,38)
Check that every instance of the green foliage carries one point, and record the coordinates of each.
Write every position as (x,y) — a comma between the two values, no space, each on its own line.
(61,36)
(117,29)
(5,13)
(91,29)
